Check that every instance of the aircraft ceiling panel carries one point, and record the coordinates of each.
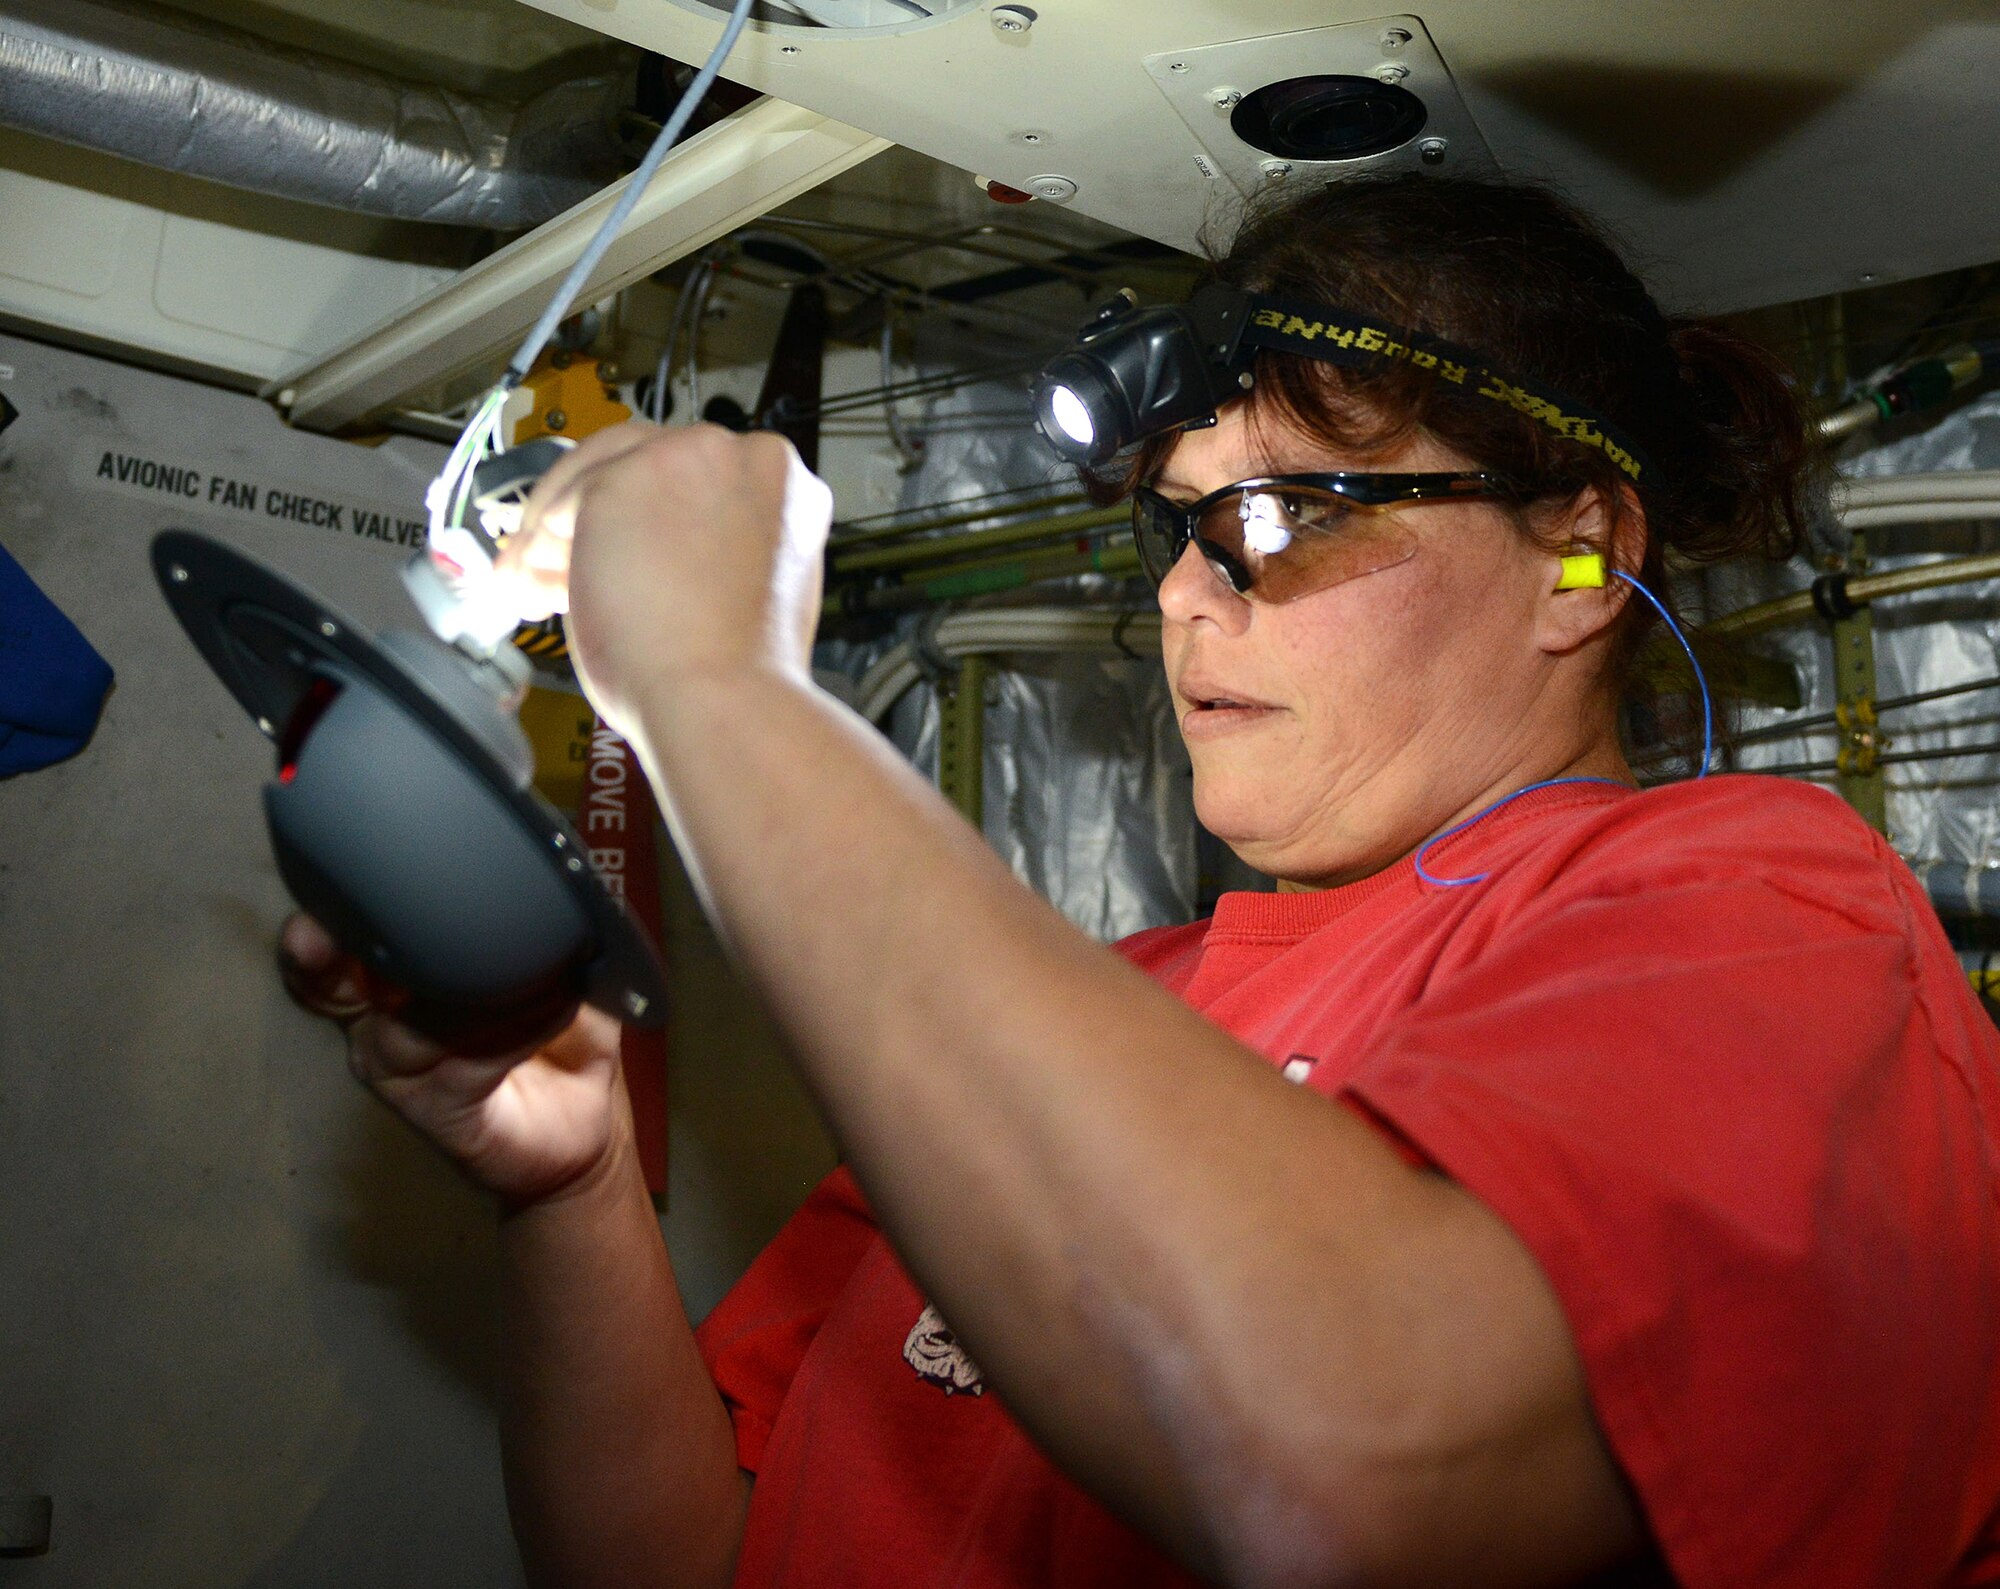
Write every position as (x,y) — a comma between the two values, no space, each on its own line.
(1751,153)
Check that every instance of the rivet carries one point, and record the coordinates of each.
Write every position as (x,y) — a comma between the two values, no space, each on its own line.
(555,419)
(328,628)
(1432,151)
(574,864)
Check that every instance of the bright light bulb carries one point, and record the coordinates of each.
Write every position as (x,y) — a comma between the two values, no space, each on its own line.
(1071,417)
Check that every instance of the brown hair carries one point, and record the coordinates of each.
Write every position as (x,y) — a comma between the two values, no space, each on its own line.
(1513,272)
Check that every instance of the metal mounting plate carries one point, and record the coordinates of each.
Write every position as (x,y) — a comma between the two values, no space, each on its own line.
(1204,85)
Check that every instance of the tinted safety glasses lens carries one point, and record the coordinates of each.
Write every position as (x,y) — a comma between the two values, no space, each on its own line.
(1273,543)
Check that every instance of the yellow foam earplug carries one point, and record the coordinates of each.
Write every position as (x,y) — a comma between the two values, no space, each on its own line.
(1582,571)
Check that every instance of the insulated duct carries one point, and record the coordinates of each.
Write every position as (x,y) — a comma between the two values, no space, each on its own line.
(113,76)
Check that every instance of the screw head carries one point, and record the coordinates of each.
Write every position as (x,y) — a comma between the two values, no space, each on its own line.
(1225,98)
(266,727)
(788,49)
(1013,19)
(1395,38)
(636,1003)
(328,628)
(1276,170)
(1177,66)
(574,864)
(555,419)
(1392,73)
(1432,151)
(178,574)
(1055,189)
(1031,137)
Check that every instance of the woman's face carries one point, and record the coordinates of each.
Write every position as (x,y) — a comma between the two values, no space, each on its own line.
(1332,734)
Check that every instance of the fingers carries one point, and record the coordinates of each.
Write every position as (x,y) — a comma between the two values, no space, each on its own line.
(319,977)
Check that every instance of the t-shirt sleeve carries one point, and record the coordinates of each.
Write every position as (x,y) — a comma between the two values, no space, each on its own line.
(1715,1107)
(760,1332)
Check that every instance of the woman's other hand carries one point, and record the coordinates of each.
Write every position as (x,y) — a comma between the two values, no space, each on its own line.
(528,1125)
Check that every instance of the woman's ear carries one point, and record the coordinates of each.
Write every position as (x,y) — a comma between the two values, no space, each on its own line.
(1599,537)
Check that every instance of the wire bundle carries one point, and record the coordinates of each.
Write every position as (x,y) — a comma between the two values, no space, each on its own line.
(464,551)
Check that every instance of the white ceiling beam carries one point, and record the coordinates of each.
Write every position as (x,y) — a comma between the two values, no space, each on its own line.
(725,177)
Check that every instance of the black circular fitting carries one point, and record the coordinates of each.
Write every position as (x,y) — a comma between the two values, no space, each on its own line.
(1329,118)
(1830,599)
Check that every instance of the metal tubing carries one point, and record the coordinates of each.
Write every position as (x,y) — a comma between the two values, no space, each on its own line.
(1011,575)
(952,520)
(1861,589)
(947,550)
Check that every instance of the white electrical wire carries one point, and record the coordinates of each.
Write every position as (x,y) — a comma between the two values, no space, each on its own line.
(470,550)
(635,186)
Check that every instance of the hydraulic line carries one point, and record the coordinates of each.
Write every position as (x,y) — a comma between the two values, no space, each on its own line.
(952,549)
(952,520)
(985,580)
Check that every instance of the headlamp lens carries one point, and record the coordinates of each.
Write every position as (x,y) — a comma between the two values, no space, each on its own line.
(1072,416)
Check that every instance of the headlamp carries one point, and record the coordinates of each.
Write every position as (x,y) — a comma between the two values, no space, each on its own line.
(1137,373)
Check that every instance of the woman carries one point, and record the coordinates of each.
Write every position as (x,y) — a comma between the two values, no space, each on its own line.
(1604,1187)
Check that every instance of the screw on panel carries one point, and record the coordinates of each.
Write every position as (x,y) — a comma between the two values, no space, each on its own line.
(788,49)
(574,864)
(1391,73)
(1395,38)
(328,628)
(266,727)
(636,1004)
(555,419)
(178,574)
(1013,19)
(1177,66)
(1432,151)
(1225,98)
(1053,188)
(1277,170)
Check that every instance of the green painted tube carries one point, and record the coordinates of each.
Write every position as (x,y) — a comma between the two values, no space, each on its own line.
(948,548)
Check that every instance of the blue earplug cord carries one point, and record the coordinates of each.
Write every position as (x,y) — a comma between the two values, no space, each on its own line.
(1707,753)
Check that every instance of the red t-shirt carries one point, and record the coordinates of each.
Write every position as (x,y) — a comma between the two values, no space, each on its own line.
(1706,1051)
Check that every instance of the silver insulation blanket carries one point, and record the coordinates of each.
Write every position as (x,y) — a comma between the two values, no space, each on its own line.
(1941,813)
(191,97)
(1088,790)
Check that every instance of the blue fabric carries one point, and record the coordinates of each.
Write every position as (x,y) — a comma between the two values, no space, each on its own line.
(52,683)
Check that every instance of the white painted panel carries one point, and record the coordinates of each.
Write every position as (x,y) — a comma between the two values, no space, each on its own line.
(60,238)
(293,298)
(186,270)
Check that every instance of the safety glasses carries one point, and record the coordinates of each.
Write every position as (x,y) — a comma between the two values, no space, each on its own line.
(1280,537)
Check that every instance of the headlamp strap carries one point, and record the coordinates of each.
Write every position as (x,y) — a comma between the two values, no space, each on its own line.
(1336,335)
